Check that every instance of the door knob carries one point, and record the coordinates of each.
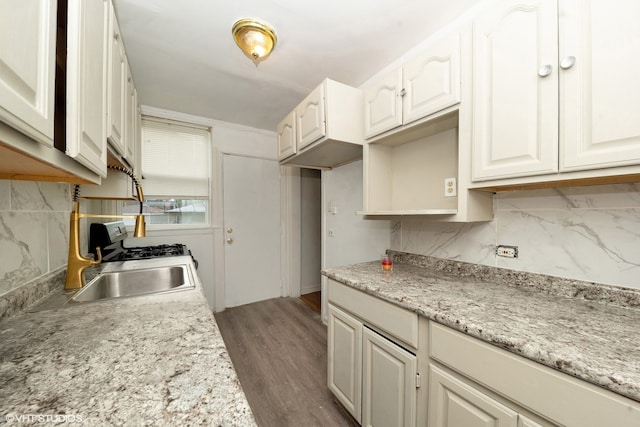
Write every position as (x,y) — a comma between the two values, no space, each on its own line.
(229,240)
(567,62)
(545,70)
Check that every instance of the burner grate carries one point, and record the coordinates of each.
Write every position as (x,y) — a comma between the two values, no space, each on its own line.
(145,252)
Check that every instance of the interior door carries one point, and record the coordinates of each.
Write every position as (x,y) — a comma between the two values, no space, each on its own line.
(251,198)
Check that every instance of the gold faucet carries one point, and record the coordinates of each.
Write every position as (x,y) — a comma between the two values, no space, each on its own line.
(76,263)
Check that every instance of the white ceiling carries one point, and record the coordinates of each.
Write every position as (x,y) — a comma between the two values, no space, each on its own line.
(184,59)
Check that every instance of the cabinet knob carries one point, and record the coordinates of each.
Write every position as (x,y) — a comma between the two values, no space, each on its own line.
(229,240)
(403,92)
(545,70)
(567,62)
(229,230)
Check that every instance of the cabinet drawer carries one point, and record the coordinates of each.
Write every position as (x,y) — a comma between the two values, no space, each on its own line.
(557,396)
(398,322)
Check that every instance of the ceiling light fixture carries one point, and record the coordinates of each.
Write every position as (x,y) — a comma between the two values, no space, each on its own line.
(254,38)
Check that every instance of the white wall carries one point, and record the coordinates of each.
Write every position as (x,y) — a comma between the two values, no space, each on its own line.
(355,239)
(585,233)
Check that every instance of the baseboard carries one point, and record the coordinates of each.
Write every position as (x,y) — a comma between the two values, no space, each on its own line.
(309,289)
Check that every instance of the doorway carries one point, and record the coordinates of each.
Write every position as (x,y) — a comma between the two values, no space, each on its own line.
(310,237)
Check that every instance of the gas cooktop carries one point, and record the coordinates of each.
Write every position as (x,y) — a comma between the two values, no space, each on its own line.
(110,236)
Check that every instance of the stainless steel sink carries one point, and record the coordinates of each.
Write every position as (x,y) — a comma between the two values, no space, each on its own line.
(129,283)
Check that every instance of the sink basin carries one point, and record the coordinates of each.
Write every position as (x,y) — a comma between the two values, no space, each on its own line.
(129,283)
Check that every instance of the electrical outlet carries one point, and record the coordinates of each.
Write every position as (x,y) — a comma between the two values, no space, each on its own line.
(507,251)
(450,188)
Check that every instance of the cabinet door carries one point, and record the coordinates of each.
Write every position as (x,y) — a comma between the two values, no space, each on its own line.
(599,94)
(287,136)
(86,83)
(515,83)
(432,80)
(454,403)
(383,104)
(527,422)
(130,111)
(27,66)
(137,166)
(310,118)
(388,383)
(344,349)
(117,84)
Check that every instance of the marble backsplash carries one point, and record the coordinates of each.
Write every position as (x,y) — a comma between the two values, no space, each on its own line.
(34,230)
(585,233)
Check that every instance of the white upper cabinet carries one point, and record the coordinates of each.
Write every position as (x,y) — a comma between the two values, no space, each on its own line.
(422,167)
(515,81)
(383,104)
(556,90)
(599,84)
(130,112)
(327,126)
(432,80)
(86,83)
(310,121)
(27,67)
(422,86)
(117,87)
(287,136)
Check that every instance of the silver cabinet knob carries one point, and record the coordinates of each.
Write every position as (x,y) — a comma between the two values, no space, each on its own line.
(567,62)
(545,70)
(403,92)
(229,240)
(229,230)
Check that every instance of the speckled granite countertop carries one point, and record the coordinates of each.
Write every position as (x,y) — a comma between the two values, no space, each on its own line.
(582,329)
(153,360)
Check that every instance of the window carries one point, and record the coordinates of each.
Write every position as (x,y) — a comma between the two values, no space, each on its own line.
(169,211)
(175,173)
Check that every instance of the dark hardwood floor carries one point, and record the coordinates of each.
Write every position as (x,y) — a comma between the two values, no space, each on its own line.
(313,300)
(279,350)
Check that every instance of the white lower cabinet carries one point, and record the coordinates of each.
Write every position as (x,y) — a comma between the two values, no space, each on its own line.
(345,360)
(454,403)
(370,370)
(472,383)
(390,367)
(388,382)
(373,377)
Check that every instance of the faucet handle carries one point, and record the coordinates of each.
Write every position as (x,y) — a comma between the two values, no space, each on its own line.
(99,253)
